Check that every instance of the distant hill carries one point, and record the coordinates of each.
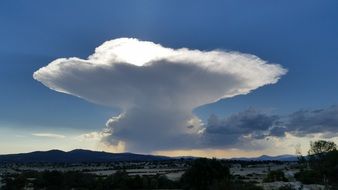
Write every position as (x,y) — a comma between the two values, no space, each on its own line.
(285,157)
(77,155)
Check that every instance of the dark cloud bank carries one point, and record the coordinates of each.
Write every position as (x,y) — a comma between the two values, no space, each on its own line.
(252,124)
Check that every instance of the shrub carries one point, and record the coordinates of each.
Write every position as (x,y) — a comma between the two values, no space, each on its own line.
(276,175)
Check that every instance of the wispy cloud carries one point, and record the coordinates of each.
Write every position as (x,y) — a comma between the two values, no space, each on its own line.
(49,135)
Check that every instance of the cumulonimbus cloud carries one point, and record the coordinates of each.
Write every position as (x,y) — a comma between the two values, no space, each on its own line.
(156,87)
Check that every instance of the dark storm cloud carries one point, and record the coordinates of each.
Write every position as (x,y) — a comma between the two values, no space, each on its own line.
(304,122)
(252,124)
(230,130)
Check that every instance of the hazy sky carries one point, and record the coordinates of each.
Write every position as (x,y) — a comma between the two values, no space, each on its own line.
(299,37)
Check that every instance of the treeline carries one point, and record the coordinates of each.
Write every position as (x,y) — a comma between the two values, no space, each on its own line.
(203,174)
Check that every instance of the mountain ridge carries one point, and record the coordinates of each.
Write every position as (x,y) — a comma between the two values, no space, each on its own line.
(77,155)
(82,155)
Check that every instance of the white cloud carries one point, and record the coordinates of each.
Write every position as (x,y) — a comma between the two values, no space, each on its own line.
(93,140)
(49,135)
(92,136)
(156,87)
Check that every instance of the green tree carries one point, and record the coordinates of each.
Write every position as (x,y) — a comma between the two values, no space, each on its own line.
(318,155)
(323,164)
(330,167)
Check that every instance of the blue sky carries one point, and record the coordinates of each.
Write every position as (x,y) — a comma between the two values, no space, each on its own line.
(299,35)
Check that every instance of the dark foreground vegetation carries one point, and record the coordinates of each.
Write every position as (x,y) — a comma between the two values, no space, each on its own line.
(203,174)
(55,180)
(320,166)
(277,175)
(212,174)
